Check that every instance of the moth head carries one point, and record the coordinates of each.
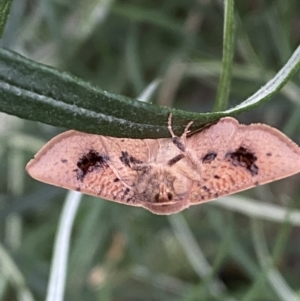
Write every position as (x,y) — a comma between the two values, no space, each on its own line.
(162,186)
(164,194)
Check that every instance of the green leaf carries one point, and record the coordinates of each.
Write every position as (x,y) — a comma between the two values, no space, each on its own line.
(271,87)
(34,91)
(4,12)
(228,51)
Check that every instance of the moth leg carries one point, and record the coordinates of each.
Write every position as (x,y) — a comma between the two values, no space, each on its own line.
(178,141)
(141,167)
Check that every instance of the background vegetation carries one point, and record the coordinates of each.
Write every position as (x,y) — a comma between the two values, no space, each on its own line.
(244,247)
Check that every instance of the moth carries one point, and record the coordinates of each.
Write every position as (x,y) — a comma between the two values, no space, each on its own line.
(167,175)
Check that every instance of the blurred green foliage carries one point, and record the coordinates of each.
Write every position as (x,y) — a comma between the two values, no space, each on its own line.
(124,253)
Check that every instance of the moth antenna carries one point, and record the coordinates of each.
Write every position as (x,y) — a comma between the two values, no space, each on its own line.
(170,126)
(178,141)
(186,130)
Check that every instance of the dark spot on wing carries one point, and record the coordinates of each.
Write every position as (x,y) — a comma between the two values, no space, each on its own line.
(125,158)
(217,177)
(64,160)
(129,160)
(116,180)
(175,159)
(269,154)
(209,157)
(126,191)
(178,143)
(205,188)
(78,189)
(244,158)
(90,162)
